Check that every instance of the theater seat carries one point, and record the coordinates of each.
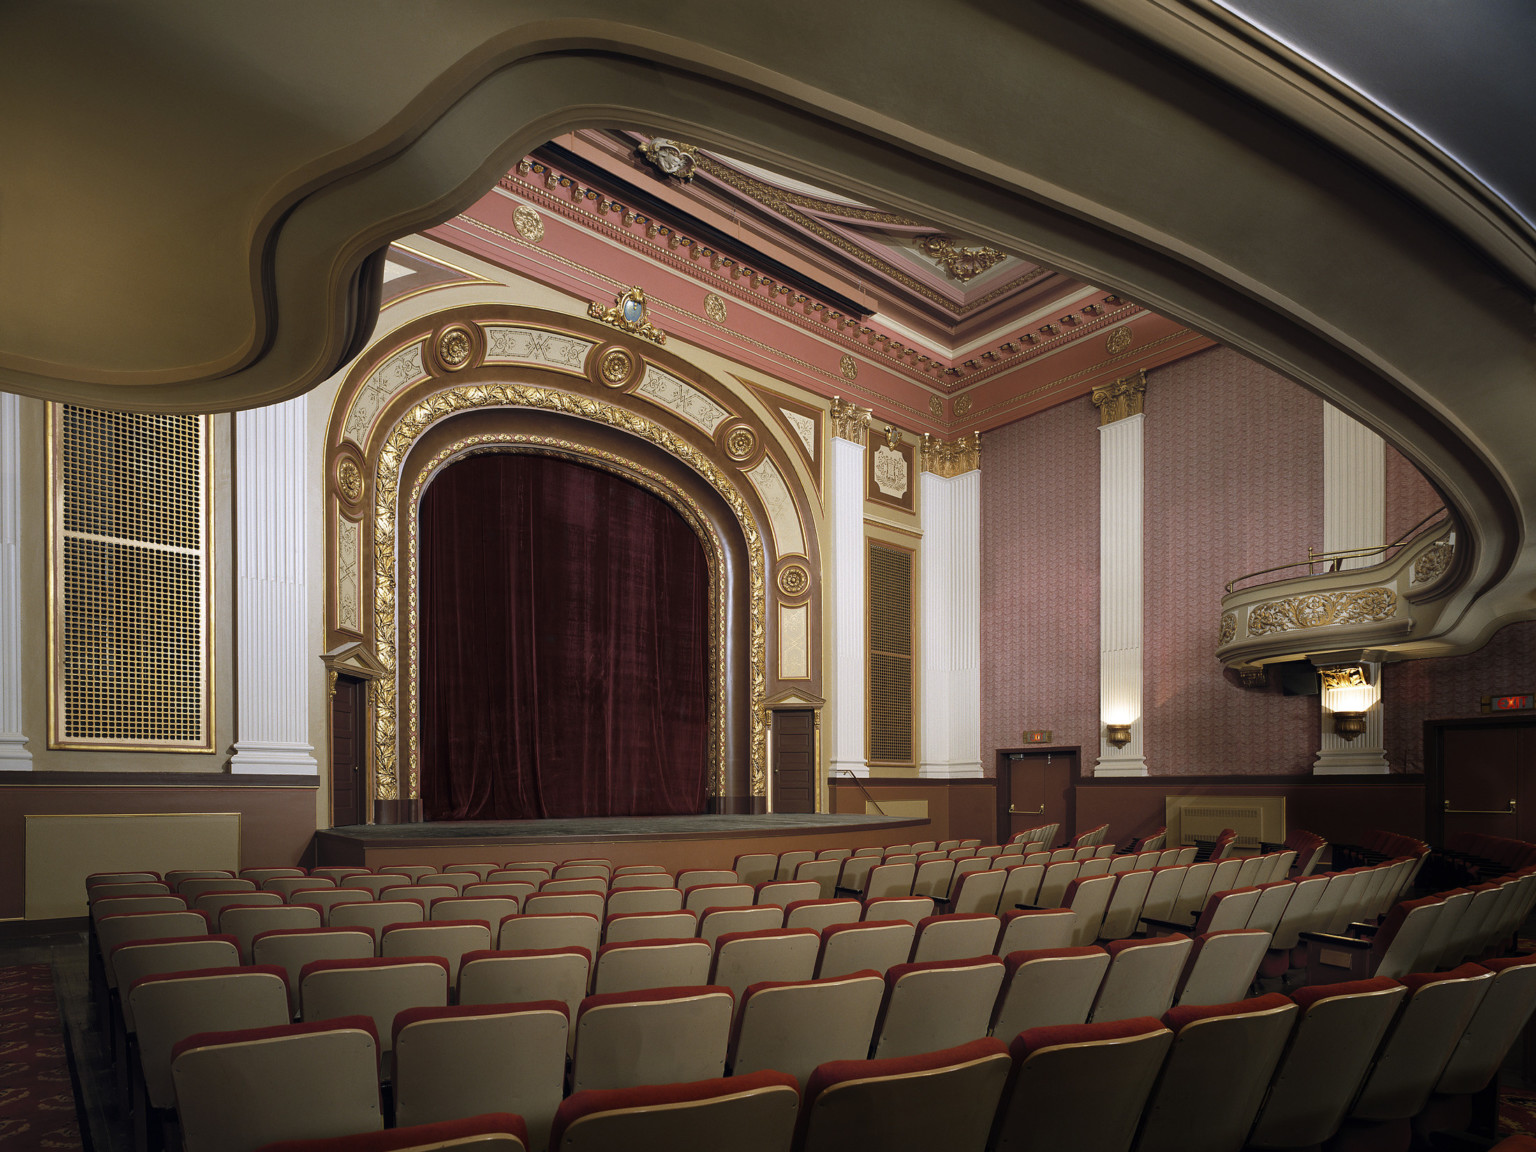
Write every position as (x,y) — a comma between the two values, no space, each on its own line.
(753,1113)
(494,1132)
(520,977)
(941,1100)
(1048,987)
(936,1005)
(1030,929)
(819,914)
(796,1025)
(778,954)
(635,965)
(660,1036)
(876,944)
(1142,977)
(955,937)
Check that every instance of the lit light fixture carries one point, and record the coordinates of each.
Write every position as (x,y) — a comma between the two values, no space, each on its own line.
(1117,734)
(1348,725)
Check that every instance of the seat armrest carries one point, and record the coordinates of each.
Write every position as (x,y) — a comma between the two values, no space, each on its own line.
(1361,928)
(1337,941)
(1032,907)
(1164,926)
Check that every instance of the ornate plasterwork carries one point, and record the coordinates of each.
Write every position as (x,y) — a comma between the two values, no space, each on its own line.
(788,536)
(1120,398)
(1118,340)
(849,421)
(959,262)
(396,446)
(687,401)
(349,479)
(951,457)
(349,555)
(398,371)
(794,580)
(849,367)
(1344,676)
(528,222)
(803,426)
(714,308)
(962,404)
(646,478)
(1228,629)
(1322,609)
(671,157)
(536,347)
(890,471)
(794,643)
(630,313)
(1433,562)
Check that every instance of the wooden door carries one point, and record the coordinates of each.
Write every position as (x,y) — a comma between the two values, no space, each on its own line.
(794,760)
(348,742)
(1034,788)
(1483,774)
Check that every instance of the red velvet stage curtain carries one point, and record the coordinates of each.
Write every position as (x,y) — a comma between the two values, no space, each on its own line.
(564,645)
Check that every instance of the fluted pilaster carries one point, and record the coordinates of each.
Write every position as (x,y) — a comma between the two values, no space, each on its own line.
(13,744)
(1121,485)
(848,695)
(949,623)
(274,649)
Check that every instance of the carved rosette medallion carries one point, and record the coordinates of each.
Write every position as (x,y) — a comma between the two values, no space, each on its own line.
(962,405)
(455,347)
(794,580)
(849,367)
(1322,610)
(741,443)
(849,421)
(935,406)
(951,457)
(615,367)
(1433,562)
(1118,340)
(1228,629)
(349,480)
(714,308)
(528,222)
(1120,399)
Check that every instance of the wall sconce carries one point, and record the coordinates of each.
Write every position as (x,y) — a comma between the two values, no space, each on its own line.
(1348,725)
(1117,734)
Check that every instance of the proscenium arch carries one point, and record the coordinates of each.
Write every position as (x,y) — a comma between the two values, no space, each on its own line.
(510,430)
(1047,130)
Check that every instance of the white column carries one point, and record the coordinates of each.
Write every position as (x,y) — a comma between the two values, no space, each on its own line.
(13,745)
(949,625)
(847,695)
(274,651)
(1354,516)
(1121,484)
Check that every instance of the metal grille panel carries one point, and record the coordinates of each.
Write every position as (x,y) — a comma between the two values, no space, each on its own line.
(130,555)
(890,654)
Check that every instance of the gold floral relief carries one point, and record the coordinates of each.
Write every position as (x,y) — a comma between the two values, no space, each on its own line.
(1321,610)
(1228,629)
(388,605)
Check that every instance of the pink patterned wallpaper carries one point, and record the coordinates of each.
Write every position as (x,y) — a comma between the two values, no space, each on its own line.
(1452,687)
(1410,497)
(1040,580)
(1234,465)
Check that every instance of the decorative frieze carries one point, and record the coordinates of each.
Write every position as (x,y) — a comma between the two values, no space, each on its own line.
(951,457)
(1121,398)
(1321,610)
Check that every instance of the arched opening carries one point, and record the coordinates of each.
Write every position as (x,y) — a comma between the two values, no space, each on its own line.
(564,667)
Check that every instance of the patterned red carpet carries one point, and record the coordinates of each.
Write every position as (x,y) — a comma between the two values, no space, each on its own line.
(37,1103)
(1517,1112)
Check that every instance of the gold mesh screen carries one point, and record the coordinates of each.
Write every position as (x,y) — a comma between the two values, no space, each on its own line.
(130,581)
(890,654)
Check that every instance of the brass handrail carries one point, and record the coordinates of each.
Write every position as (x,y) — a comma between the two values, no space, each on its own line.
(854,776)
(1315,558)
(1449,811)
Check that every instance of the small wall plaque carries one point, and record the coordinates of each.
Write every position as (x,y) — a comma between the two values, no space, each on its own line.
(1038,736)
(1516,703)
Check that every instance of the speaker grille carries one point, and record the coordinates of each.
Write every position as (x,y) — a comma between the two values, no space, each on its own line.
(890,654)
(130,555)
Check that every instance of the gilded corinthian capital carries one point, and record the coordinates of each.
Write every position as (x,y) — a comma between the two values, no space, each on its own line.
(951,457)
(849,421)
(1120,398)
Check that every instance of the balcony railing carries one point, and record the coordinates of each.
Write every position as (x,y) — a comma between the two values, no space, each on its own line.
(1331,561)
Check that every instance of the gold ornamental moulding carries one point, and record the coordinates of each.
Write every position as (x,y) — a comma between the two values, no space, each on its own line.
(1343,676)
(1322,610)
(849,421)
(1121,398)
(959,262)
(630,312)
(951,457)
(396,446)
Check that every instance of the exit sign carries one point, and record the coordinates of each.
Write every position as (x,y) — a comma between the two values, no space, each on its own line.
(1038,736)
(1516,703)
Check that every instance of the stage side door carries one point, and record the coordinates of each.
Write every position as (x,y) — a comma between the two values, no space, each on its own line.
(794,760)
(347,749)
(1486,774)
(1035,788)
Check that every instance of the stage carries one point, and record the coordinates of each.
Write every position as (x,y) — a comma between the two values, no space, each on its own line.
(674,842)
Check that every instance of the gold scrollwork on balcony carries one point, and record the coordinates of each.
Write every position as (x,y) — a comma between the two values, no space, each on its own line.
(1432,562)
(1228,629)
(1322,609)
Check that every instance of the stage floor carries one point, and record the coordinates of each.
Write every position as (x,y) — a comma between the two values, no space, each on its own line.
(638,839)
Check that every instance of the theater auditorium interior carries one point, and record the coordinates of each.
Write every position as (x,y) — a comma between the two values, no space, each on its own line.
(946,576)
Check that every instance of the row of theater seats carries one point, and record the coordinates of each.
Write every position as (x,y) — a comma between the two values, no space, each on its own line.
(1353,1064)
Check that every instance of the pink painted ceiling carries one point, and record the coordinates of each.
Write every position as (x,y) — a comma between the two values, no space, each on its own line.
(934,332)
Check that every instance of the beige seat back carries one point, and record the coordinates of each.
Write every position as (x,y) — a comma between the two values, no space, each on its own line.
(1096,866)
(1340,1029)
(796,1026)
(1454,906)
(113,931)
(292,948)
(492,909)
(889,880)
(1056,1098)
(214,903)
(822,873)
(1030,929)
(1194,887)
(523,977)
(481,870)
(1299,910)
(819,914)
(595,884)
(1205,1100)
(557,903)
(456,1062)
(718,921)
(135,905)
(958,936)
(753,1113)
(1163,892)
(458,881)
(789,863)
(1142,977)
(1053,885)
(873,944)
(521,874)
(195,886)
(379,988)
(1088,899)
(623,901)
(756,867)
(856,870)
(1222,966)
(937,1005)
(1270,906)
(634,881)
(1046,988)
(650,926)
(448,940)
(786,892)
(662,1036)
(324,899)
(1500,1018)
(550,930)
(414,872)
(176,875)
(696,876)
(1123,913)
(288,885)
(171,1007)
(258,876)
(979,892)
(701,896)
(134,961)
(377,916)
(912,909)
(510,890)
(777,954)
(584,872)
(245,923)
(1248,872)
(640,965)
(1021,887)
(377,883)
(237,1092)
